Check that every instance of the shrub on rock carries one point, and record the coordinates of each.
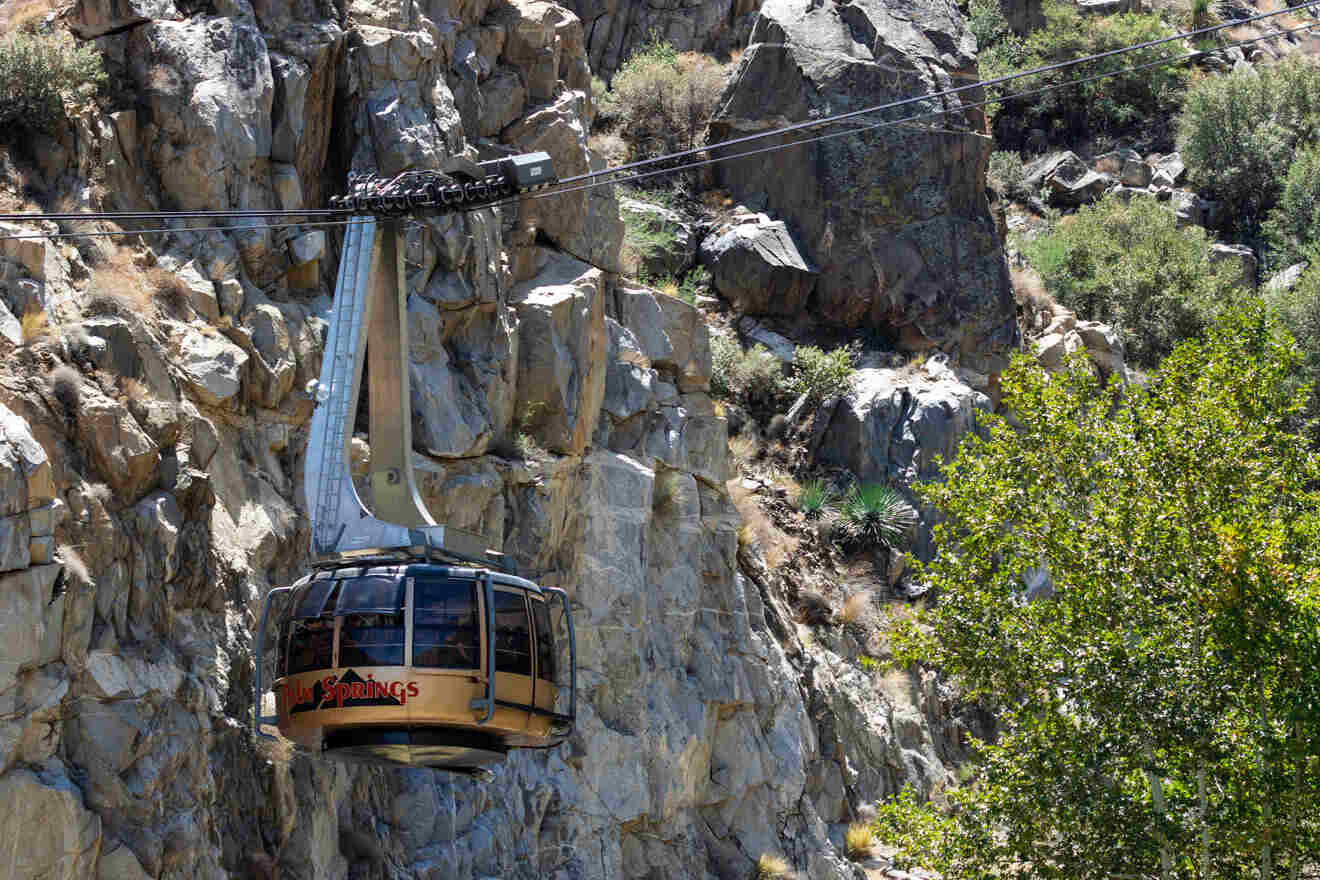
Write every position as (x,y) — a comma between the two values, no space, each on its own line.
(1130,266)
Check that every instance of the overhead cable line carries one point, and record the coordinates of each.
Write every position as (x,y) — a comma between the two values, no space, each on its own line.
(979,84)
(173,230)
(592,180)
(900,122)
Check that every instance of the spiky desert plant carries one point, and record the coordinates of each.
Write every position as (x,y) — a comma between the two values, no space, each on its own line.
(873,515)
(813,497)
(858,841)
(771,867)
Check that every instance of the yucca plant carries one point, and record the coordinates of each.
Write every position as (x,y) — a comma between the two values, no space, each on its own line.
(858,841)
(873,515)
(771,867)
(813,497)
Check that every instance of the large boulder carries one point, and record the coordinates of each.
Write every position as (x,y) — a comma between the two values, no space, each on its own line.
(208,86)
(26,482)
(562,346)
(212,366)
(126,456)
(49,833)
(1241,257)
(584,223)
(896,218)
(94,18)
(758,268)
(1067,180)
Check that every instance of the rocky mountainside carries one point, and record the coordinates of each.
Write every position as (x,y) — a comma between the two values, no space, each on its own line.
(896,217)
(153,417)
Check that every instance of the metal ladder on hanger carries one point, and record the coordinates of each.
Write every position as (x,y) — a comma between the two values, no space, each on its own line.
(369,307)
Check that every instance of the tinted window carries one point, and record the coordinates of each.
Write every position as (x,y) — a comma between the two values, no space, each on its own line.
(381,594)
(371,640)
(445,630)
(545,641)
(311,598)
(513,634)
(312,644)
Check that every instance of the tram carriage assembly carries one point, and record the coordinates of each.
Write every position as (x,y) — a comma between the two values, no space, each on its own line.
(409,642)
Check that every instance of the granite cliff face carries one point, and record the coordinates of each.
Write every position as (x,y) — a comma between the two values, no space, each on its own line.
(152,423)
(894,217)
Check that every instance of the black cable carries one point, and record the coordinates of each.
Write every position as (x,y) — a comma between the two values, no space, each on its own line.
(1048,68)
(114,216)
(565,186)
(896,122)
(181,229)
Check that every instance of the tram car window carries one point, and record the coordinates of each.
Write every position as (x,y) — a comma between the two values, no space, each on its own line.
(372,633)
(446,633)
(513,634)
(545,641)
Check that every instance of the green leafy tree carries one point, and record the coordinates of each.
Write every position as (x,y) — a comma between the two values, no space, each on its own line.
(1132,576)
(1130,266)
(1238,135)
(1293,227)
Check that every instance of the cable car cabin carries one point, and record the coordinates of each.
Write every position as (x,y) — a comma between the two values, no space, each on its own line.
(391,663)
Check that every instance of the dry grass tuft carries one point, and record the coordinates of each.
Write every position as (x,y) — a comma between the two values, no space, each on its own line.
(744,447)
(771,867)
(74,567)
(858,841)
(24,16)
(168,289)
(854,606)
(1029,290)
(758,531)
(35,325)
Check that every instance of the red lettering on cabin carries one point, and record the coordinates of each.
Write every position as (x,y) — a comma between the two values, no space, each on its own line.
(334,693)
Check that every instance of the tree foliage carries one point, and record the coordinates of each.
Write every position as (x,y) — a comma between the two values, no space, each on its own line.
(1129,265)
(1238,135)
(1159,703)
(1069,113)
(1293,227)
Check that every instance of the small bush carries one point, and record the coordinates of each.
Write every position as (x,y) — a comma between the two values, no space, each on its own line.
(1116,102)
(1130,266)
(66,387)
(688,288)
(771,867)
(858,841)
(36,74)
(873,516)
(1238,135)
(1005,174)
(753,377)
(814,497)
(665,98)
(820,374)
(1295,223)
(1299,311)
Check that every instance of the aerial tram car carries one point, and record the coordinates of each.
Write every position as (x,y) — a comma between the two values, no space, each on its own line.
(409,642)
